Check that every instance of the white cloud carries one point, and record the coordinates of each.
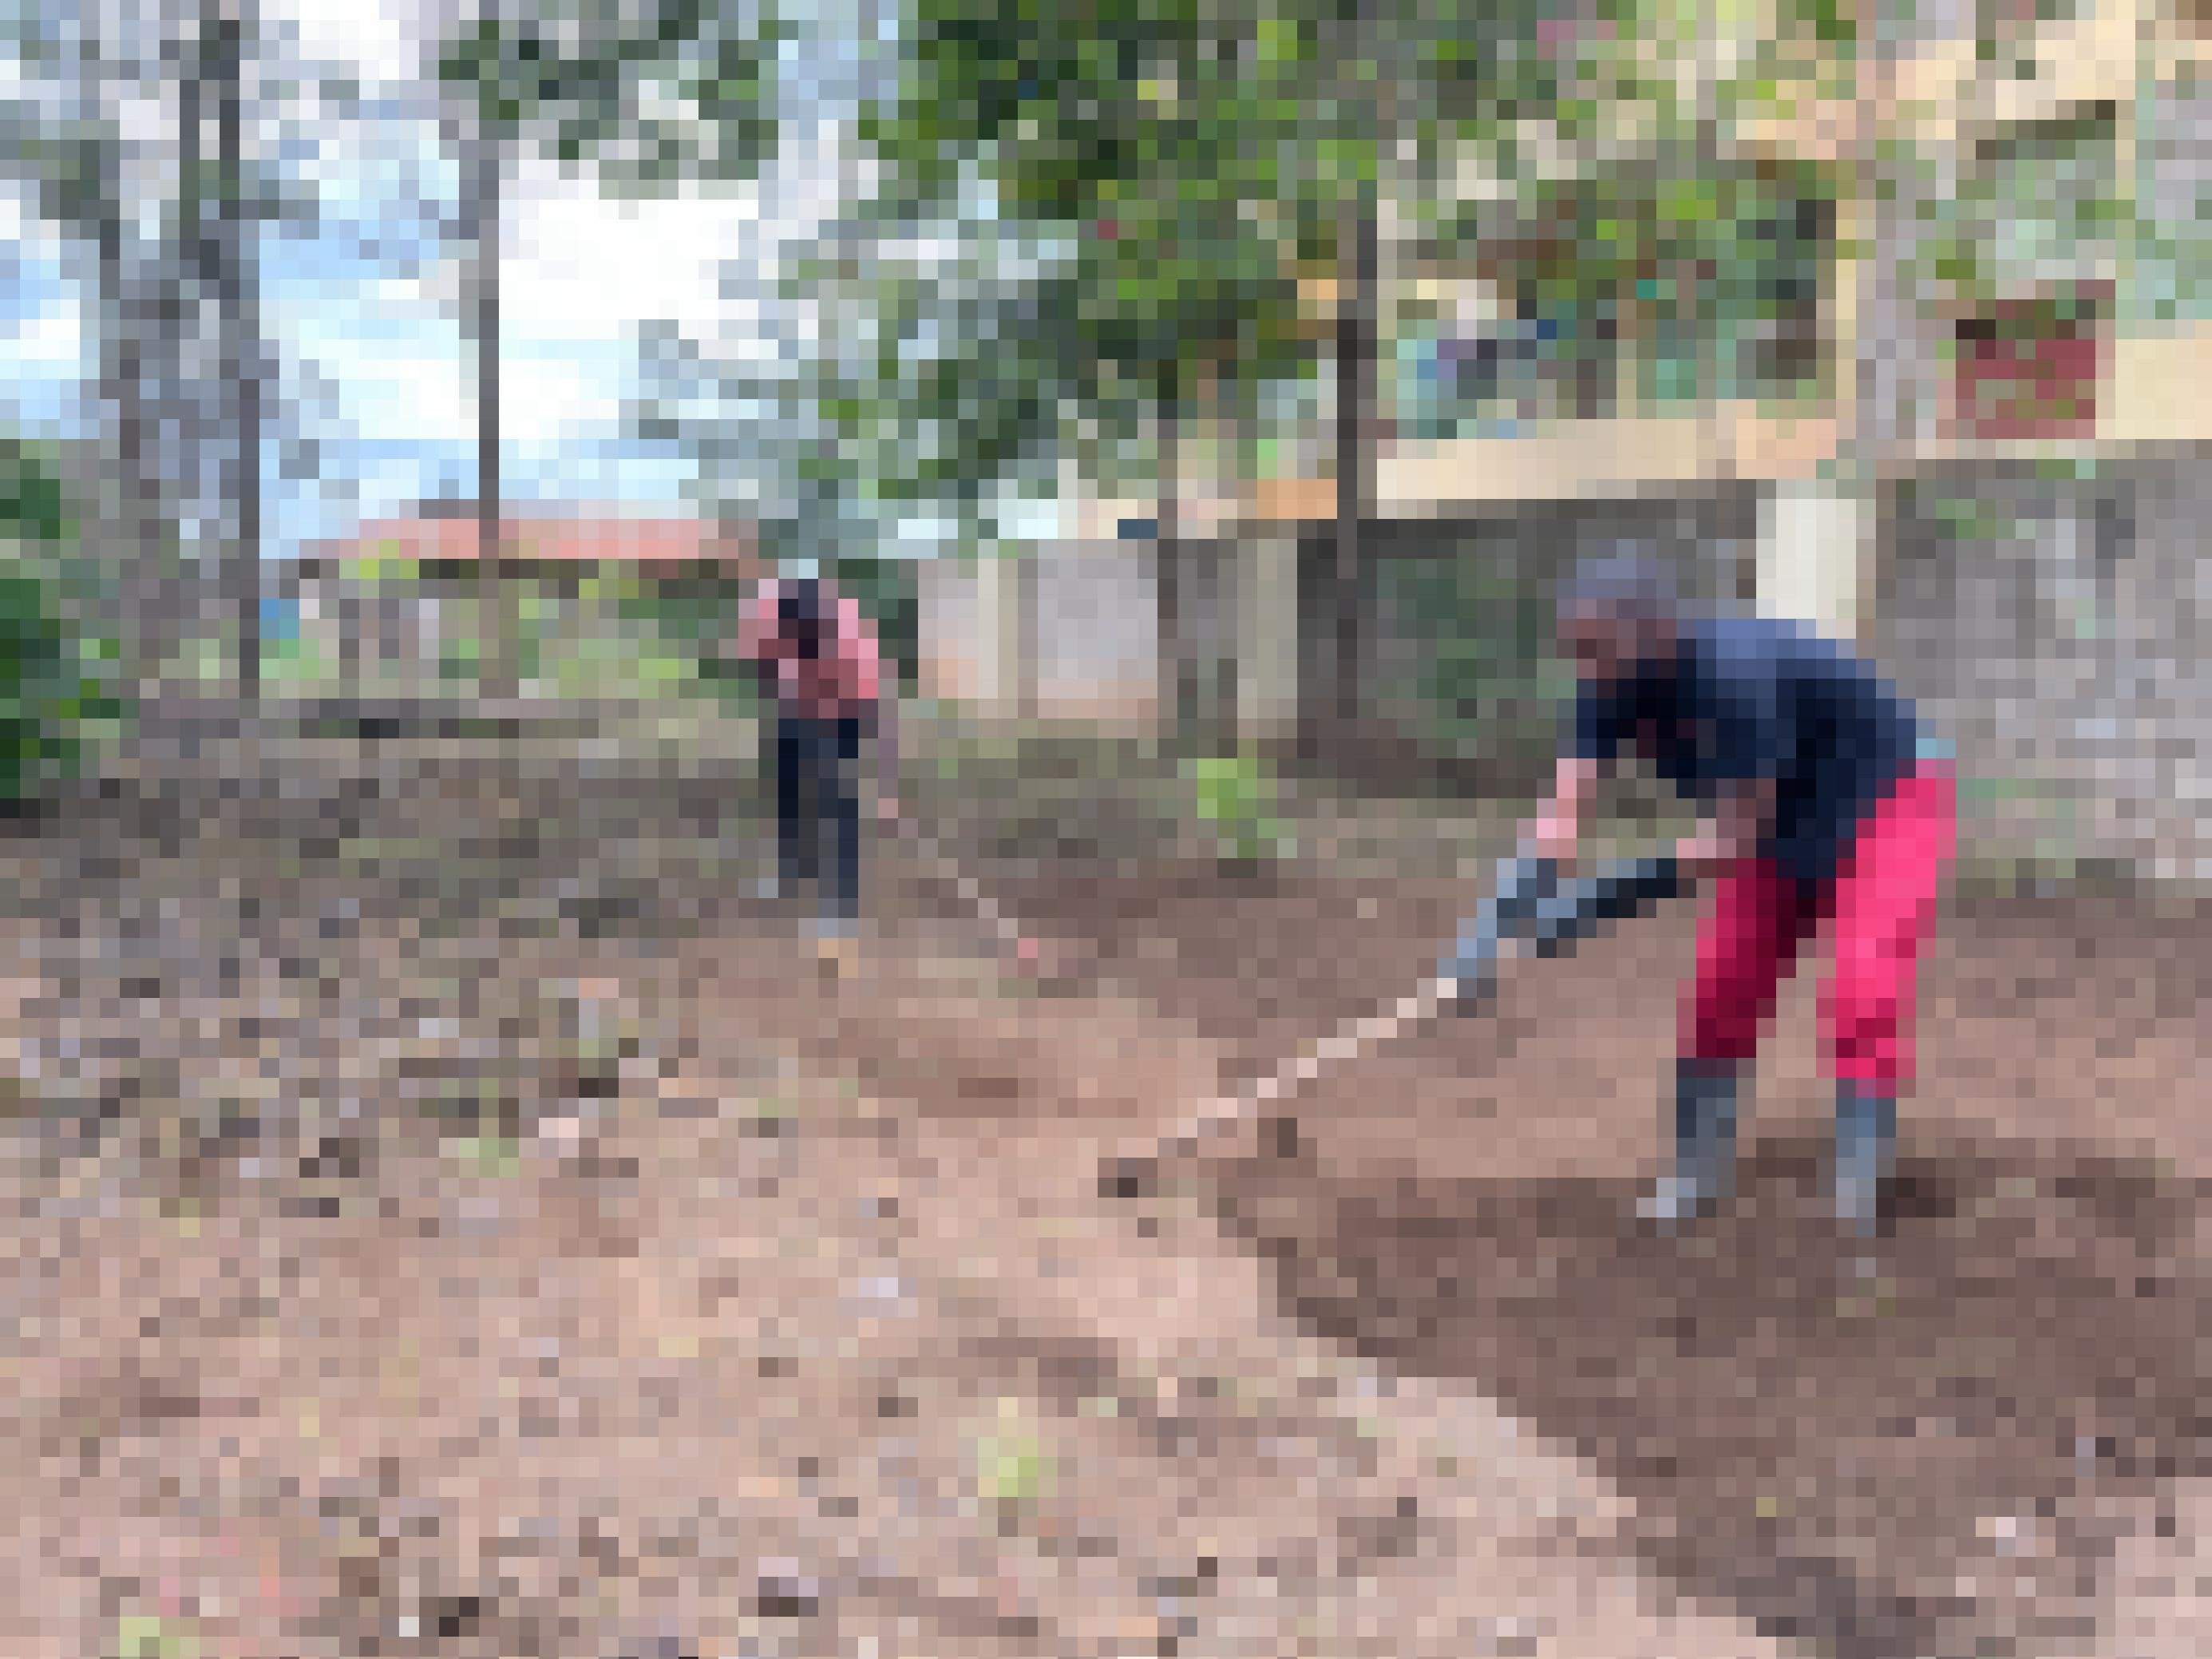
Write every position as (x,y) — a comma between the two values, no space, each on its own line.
(425,398)
(433,294)
(549,394)
(14,224)
(45,345)
(546,399)
(1031,520)
(382,39)
(581,262)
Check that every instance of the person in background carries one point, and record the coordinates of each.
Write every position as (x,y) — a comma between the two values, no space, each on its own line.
(821,673)
(1830,806)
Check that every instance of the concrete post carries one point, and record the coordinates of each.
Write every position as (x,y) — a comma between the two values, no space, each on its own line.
(1001,629)
(990,631)
(1267,639)
(1817,534)
(1815,551)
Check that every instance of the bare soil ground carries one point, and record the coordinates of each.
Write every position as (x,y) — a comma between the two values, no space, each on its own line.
(446,1219)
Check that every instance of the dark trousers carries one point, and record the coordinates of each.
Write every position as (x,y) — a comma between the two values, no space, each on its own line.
(818,800)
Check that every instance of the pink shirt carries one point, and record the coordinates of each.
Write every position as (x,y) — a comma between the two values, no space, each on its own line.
(845,680)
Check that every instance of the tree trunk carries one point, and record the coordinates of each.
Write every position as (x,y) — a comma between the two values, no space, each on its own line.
(1355,344)
(1887,358)
(1225,713)
(1175,699)
(241,337)
(487,190)
(194,271)
(125,497)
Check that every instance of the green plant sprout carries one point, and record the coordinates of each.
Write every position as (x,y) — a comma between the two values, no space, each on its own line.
(1236,796)
(1012,1467)
(140,1636)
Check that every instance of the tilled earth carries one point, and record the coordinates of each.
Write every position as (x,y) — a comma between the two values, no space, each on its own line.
(445,1220)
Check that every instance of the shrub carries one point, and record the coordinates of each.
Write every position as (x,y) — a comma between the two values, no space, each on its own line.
(1235,795)
(50,683)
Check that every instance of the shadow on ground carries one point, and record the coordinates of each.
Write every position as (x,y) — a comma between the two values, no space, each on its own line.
(1934,1458)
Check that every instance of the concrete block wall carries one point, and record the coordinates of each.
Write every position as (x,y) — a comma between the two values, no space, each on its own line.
(1095,632)
(2052,628)
(1063,632)
(1478,592)
(2055,627)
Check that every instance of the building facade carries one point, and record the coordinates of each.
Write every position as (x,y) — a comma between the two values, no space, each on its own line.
(1968,396)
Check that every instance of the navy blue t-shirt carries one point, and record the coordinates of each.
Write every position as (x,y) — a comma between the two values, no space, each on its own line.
(1749,698)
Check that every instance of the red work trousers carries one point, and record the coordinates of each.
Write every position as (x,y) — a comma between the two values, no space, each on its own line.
(1878,907)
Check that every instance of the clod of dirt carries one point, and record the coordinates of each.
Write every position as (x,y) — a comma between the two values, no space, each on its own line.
(784,1592)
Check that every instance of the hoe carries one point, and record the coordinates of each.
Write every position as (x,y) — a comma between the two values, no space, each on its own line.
(1534,909)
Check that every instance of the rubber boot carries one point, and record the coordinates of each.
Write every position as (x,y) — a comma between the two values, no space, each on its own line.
(1866,1146)
(1705,1143)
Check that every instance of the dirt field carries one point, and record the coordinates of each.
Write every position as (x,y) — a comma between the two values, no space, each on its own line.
(439,1230)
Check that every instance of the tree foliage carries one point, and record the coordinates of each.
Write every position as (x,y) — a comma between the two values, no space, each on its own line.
(652,96)
(92,122)
(1174,142)
(1137,186)
(901,400)
(1198,154)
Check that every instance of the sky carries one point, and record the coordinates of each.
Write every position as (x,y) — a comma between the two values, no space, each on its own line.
(582,273)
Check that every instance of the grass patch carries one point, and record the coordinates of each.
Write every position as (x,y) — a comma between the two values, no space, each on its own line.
(486,1154)
(143,1637)
(1013,1471)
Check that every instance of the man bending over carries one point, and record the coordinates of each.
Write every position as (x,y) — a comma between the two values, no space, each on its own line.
(1827,806)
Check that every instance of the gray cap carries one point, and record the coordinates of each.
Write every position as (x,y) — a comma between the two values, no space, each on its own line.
(1621,584)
